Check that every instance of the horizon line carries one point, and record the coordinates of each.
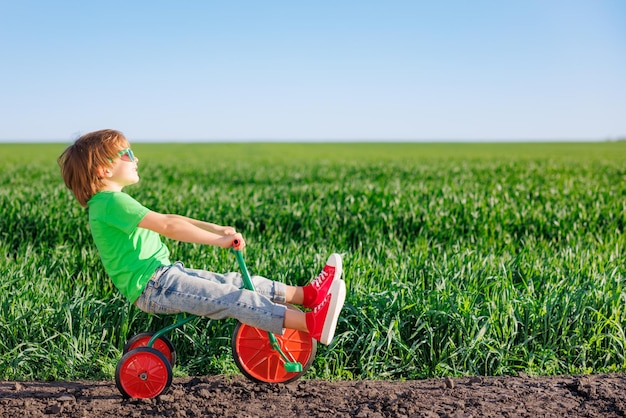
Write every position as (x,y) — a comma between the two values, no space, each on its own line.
(335,140)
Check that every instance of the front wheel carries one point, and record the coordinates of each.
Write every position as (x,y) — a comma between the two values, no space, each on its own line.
(260,362)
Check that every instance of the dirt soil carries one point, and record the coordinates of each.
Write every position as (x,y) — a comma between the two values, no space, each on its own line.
(601,395)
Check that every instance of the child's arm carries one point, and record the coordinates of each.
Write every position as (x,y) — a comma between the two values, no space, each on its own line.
(186,229)
(208,226)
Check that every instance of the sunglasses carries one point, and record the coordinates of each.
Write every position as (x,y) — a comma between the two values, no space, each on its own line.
(126,154)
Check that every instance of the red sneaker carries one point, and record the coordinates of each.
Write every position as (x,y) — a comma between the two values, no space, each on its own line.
(316,291)
(322,320)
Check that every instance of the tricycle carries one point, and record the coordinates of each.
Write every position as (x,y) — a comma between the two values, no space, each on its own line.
(145,369)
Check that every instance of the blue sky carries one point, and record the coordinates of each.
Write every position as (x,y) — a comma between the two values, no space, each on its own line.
(314,70)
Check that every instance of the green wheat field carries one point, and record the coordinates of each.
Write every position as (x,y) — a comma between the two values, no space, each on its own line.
(460,259)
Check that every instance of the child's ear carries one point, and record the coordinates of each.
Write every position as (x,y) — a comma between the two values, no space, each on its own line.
(103,172)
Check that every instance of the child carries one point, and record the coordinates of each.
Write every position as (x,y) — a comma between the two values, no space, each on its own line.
(98,166)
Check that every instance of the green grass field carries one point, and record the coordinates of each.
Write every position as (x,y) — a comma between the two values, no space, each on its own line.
(460,259)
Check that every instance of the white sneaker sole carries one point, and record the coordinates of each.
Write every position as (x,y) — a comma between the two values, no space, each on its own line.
(337,298)
(335,261)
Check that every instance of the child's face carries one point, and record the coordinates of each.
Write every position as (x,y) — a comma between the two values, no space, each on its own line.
(124,169)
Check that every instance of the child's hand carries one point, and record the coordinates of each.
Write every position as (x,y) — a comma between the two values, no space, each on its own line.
(237,242)
(228,230)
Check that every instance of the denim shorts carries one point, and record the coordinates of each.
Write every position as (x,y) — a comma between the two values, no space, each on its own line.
(176,289)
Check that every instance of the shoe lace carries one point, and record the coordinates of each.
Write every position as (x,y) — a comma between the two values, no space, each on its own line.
(320,278)
(322,304)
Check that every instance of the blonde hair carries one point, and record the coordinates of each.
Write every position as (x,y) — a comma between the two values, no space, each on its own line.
(80,161)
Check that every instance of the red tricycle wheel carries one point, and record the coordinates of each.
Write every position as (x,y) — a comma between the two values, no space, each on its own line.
(259,362)
(143,373)
(163,344)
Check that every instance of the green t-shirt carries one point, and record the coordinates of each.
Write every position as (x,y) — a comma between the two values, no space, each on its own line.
(130,255)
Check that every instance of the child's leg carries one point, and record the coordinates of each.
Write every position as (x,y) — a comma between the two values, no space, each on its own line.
(295,320)
(294,295)
(276,291)
(177,289)
(309,296)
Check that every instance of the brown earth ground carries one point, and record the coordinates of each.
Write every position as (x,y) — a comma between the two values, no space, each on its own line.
(602,395)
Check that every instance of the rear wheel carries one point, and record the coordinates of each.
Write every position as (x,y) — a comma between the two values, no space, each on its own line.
(163,344)
(143,373)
